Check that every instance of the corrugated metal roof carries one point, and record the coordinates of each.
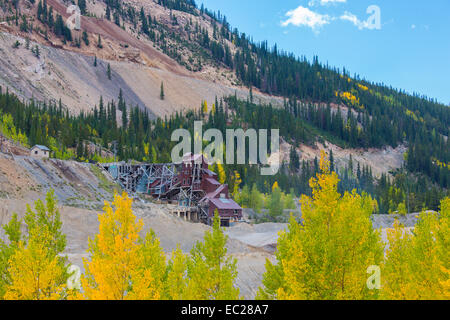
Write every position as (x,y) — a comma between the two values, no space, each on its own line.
(209,172)
(213,181)
(223,203)
(191,157)
(41,147)
(213,194)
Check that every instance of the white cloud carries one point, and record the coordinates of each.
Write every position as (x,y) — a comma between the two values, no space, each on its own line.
(325,2)
(304,17)
(413,26)
(347,16)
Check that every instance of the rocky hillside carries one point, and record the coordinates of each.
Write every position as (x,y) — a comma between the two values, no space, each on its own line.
(66,71)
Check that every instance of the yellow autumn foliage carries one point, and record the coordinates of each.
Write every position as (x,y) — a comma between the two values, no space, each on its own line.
(177,275)
(122,265)
(204,107)
(352,99)
(327,256)
(362,87)
(417,262)
(221,173)
(35,272)
(275,186)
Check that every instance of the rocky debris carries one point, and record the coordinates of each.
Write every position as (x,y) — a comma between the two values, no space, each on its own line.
(387,220)
(75,183)
(264,235)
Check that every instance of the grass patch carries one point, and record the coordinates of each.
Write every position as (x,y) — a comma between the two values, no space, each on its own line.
(103,182)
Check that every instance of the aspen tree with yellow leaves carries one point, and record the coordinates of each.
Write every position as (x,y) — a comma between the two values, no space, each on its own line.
(211,272)
(35,272)
(35,269)
(221,173)
(14,235)
(123,266)
(177,275)
(327,256)
(235,183)
(275,186)
(446,284)
(417,262)
(204,107)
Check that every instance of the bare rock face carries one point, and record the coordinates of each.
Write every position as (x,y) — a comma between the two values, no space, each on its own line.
(133,55)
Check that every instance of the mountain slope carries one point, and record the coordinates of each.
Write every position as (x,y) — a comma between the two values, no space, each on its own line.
(66,71)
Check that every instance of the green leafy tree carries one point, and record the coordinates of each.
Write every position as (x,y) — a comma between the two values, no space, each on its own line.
(288,200)
(46,216)
(417,263)
(177,280)
(275,202)
(211,272)
(14,236)
(256,200)
(35,267)
(402,208)
(327,256)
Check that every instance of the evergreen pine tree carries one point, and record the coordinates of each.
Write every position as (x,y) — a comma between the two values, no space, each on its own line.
(161,94)
(108,12)
(99,42)
(82,6)
(331,161)
(85,38)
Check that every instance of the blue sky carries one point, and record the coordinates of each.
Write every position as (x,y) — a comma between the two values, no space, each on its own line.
(410,51)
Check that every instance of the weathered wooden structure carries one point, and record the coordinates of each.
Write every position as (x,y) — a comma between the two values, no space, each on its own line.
(190,183)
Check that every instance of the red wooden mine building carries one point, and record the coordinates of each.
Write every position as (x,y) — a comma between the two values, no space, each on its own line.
(189,182)
(199,185)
